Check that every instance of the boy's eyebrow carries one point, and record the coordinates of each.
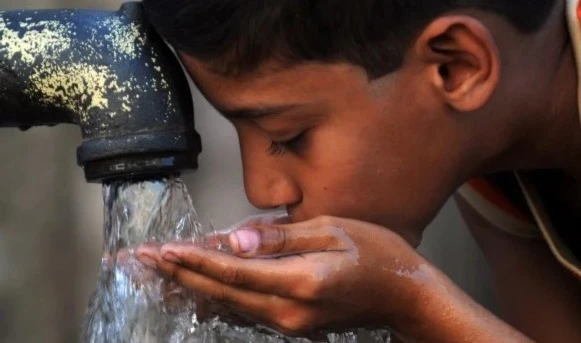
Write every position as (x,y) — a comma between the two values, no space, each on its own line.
(255,112)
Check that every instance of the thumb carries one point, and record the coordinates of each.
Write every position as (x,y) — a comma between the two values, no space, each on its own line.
(290,239)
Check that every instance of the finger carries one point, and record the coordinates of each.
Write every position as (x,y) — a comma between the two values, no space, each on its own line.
(146,254)
(271,218)
(276,276)
(285,315)
(214,290)
(145,250)
(206,309)
(316,235)
(220,240)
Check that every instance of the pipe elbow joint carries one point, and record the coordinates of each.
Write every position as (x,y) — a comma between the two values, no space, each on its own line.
(108,72)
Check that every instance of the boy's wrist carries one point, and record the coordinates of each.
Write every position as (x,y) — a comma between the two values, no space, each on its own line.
(441,312)
(425,303)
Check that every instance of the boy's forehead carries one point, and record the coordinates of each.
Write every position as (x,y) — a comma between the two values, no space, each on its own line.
(273,71)
(272,84)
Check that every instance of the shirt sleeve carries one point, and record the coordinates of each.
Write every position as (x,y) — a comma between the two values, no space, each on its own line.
(498,200)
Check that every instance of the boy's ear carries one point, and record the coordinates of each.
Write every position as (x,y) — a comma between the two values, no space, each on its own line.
(462,61)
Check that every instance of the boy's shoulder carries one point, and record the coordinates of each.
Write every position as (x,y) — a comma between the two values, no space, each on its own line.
(514,203)
(518,204)
(498,198)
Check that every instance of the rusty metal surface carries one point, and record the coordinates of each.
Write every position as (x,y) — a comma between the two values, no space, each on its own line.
(108,72)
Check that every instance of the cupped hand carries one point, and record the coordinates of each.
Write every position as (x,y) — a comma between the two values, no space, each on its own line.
(302,279)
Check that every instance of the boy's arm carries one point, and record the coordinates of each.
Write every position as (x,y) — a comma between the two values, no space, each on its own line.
(538,296)
(332,273)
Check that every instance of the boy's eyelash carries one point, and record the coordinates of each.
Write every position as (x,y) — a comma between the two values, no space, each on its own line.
(276,148)
(281,147)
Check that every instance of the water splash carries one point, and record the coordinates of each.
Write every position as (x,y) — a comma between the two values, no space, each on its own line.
(133,304)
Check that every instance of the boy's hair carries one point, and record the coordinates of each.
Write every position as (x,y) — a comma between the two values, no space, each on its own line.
(236,36)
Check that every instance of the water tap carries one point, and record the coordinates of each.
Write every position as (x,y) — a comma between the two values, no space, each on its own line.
(111,74)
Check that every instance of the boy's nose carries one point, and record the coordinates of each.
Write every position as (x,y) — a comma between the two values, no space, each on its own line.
(267,187)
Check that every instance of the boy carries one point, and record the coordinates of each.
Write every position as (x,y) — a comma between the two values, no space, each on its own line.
(378,111)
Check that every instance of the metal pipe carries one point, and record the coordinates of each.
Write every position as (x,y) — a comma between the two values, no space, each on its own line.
(111,74)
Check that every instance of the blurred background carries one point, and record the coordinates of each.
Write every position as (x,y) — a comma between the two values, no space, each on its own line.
(51,220)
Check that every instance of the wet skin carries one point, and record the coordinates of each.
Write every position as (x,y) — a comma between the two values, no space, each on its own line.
(335,273)
(312,257)
(328,143)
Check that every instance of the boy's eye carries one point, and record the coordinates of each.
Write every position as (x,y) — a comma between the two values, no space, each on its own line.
(294,144)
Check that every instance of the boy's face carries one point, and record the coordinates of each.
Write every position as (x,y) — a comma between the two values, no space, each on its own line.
(322,139)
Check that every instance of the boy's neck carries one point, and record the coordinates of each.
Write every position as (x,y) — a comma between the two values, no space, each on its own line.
(564,119)
(552,134)
(559,134)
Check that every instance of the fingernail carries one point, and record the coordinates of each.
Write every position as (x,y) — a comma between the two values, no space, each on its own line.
(147,261)
(171,258)
(248,240)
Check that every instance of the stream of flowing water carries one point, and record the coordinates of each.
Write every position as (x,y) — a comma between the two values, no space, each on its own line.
(132,304)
